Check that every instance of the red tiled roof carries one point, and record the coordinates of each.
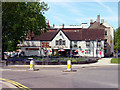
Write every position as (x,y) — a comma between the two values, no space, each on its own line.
(47,36)
(93,34)
(96,25)
(83,34)
(76,35)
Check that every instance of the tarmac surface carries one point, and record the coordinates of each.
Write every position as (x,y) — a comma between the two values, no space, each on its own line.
(51,68)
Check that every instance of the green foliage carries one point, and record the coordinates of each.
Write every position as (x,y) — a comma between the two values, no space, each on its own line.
(18,18)
(117,39)
(57,54)
(74,60)
(115,60)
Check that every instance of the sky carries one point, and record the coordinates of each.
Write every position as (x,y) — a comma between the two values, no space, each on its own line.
(75,12)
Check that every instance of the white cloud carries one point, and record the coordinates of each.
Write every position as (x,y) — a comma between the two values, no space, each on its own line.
(58,19)
(105,6)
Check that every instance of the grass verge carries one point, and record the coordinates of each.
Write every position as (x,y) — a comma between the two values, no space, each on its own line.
(115,60)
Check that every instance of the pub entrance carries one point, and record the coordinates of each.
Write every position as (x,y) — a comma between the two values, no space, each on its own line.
(64,53)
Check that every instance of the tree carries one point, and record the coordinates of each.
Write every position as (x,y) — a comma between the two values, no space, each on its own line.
(18,18)
(117,39)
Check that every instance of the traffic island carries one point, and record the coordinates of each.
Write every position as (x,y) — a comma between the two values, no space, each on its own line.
(70,71)
(33,70)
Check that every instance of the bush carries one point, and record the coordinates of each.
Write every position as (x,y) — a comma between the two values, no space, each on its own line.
(74,61)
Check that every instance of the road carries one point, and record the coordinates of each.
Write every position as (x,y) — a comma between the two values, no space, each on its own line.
(90,77)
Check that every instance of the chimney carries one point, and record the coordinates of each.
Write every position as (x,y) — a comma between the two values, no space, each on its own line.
(63,26)
(102,21)
(91,21)
(48,24)
(98,19)
(53,25)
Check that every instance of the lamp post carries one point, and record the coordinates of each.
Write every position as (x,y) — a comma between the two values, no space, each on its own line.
(93,48)
(96,48)
(40,49)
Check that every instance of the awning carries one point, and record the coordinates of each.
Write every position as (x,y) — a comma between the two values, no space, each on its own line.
(82,51)
(76,50)
(18,50)
(48,51)
(61,50)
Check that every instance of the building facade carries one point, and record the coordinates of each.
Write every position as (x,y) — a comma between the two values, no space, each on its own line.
(78,40)
(108,34)
(82,42)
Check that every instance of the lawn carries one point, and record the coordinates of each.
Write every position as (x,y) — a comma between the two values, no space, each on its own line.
(115,60)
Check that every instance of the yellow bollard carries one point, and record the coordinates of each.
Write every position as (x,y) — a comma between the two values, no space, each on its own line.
(69,66)
(31,64)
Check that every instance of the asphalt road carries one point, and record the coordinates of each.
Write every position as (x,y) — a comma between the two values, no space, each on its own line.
(90,77)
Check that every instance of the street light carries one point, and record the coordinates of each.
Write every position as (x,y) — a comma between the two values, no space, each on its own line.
(93,47)
(96,48)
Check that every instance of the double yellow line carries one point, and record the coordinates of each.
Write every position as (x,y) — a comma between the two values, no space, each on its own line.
(16,84)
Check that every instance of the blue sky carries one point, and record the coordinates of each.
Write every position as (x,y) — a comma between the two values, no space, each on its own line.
(75,12)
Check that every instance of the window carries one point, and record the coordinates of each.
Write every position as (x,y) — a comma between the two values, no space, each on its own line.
(97,51)
(60,42)
(105,43)
(87,51)
(75,42)
(105,33)
(105,40)
(98,44)
(87,44)
(63,42)
(32,48)
(60,34)
(45,44)
(56,42)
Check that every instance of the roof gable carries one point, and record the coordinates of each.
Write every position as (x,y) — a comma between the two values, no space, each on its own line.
(62,33)
(96,25)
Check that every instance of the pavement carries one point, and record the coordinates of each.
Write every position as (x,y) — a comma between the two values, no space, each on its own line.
(101,62)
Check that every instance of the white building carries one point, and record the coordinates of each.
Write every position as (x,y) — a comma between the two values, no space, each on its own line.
(108,34)
(83,25)
(110,38)
(83,42)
